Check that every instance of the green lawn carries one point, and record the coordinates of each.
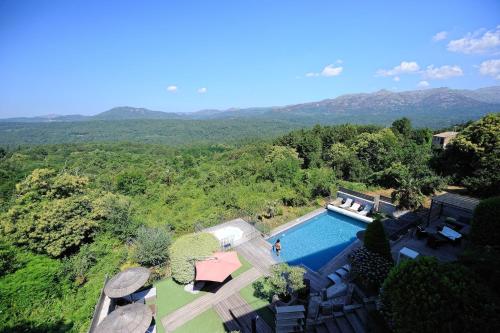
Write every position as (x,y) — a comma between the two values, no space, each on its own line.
(245,266)
(258,304)
(171,296)
(207,322)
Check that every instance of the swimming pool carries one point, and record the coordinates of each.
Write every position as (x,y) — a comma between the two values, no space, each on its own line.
(316,241)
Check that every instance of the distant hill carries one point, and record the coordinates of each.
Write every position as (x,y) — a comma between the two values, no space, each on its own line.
(434,108)
(127,112)
(429,107)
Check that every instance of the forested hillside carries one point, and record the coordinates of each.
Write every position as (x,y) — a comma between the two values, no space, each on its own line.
(71,212)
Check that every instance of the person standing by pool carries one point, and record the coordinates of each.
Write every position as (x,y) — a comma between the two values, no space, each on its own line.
(277,247)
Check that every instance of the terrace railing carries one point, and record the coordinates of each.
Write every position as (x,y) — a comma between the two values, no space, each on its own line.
(98,308)
(386,199)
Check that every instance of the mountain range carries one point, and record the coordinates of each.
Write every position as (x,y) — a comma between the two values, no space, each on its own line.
(428,107)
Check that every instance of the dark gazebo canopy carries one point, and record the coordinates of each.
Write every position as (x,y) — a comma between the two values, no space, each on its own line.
(132,318)
(461,202)
(126,282)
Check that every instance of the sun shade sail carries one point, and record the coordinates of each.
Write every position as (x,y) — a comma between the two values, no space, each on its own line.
(218,267)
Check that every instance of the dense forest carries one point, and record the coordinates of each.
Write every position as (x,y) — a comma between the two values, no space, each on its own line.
(72,213)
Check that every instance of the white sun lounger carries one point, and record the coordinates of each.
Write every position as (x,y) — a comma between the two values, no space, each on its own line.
(335,278)
(366,210)
(450,233)
(347,203)
(355,206)
(342,272)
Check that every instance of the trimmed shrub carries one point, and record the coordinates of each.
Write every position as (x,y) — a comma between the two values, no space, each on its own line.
(425,296)
(369,269)
(376,240)
(184,252)
(486,222)
(151,246)
(285,280)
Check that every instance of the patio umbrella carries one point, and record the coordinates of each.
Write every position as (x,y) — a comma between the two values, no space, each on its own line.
(126,282)
(218,267)
(132,318)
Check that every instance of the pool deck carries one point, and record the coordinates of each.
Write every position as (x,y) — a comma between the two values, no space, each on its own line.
(297,221)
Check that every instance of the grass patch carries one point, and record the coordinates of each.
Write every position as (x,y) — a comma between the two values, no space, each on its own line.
(245,266)
(208,321)
(258,302)
(171,296)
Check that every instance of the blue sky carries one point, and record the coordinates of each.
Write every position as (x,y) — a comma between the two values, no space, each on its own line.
(69,57)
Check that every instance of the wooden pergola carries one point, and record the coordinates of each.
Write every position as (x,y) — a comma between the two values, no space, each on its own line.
(458,202)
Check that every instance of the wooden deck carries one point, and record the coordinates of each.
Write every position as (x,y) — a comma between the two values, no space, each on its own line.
(259,253)
(200,305)
(318,281)
(238,314)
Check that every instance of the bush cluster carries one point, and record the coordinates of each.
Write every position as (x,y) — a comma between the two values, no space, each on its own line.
(369,268)
(425,296)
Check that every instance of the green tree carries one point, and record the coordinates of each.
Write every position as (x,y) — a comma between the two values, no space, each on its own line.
(344,162)
(408,194)
(282,164)
(486,222)
(473,157)
(131,182)
(286,280)
(151,246)
(426,296)
(375,239)
(377,150)
(54,213)
(402,126)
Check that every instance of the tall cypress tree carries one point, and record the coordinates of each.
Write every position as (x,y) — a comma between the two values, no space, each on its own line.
(376,239)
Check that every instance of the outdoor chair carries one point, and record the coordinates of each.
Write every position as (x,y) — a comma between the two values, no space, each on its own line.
(355,207)
(347,203)
(366,210)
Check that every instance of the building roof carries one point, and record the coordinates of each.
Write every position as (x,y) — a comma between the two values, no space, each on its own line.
(446,134)
(458,201)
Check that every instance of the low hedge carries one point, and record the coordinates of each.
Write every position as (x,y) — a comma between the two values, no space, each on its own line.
(486,222)
(184,252)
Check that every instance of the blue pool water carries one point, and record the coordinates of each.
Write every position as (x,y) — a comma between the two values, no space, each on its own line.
(316,241)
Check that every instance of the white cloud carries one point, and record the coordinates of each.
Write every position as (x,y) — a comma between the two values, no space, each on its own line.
(172,88)
(440,36)
(339,61)
(328,71)
(423,84)
(397,78)
(405,67)
(443,72)
(490,68)
(487,42)
(202,90)
(331,70)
